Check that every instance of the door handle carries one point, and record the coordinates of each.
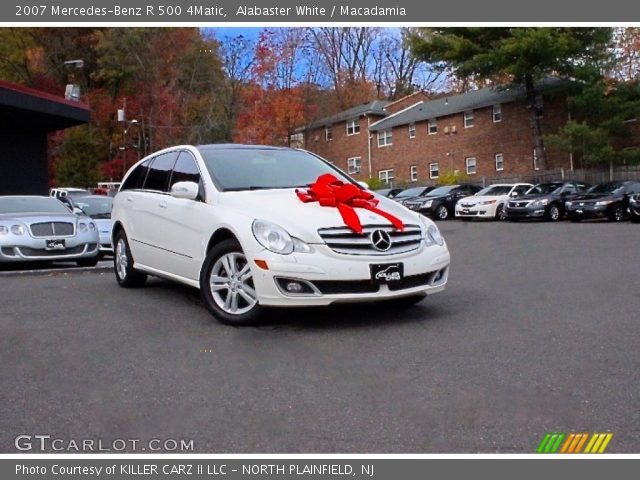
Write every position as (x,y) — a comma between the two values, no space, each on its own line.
(163,204)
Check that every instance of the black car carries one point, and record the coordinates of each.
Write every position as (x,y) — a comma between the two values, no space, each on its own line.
(544,200)
(440,202)
(609,200)
(634,207)
(388,192)
(412,192)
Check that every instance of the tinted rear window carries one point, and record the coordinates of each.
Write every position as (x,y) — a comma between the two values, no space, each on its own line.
(136,177)
(160,171)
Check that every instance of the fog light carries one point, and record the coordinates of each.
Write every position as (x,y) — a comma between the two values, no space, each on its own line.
(294,287)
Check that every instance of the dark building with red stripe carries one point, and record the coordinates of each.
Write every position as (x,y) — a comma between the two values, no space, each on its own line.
(27,116)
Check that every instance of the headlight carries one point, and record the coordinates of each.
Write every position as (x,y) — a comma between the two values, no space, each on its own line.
(276,239)
(487,202)
(433,236)
(603,202)
(4,230)
(92,227)
(82,227)
(539,203)
(427,203)
(18,230)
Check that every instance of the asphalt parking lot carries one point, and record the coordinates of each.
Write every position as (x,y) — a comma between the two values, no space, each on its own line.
(538,331)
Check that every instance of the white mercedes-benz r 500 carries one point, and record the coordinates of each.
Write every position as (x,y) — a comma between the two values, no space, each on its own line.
(255,227)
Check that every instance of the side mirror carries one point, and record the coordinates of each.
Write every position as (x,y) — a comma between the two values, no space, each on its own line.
(364,185)
(186,190)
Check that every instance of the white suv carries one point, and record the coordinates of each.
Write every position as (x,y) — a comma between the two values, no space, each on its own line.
(490,202)
(241,223)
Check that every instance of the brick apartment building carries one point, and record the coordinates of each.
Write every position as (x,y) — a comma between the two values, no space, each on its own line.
(483,133)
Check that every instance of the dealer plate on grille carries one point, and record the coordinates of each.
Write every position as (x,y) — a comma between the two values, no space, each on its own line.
(386,272)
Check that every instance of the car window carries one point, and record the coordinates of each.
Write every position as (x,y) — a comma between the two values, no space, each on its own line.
(569,189)
(160,171)
(520,189)
(185,170)
(137,176)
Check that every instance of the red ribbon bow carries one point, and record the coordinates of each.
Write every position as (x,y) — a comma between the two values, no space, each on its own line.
(331,192)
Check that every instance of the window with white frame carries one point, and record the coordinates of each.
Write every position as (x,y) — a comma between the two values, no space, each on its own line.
(353,165)
(468,119)
(328,134)
(412,130)
(497,113)
(499,162)
(385,138)
(471,165)
(386,176)
(413,173)
(434,170)
(433,126)
(353,127)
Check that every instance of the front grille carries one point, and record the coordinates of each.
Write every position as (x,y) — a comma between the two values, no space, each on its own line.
(469,213)
(8,251)
(52,229)
(346,241)
(519,204)
(467,205)
(41,252)
(412,281)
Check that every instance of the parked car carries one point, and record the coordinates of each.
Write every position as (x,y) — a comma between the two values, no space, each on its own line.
(544,200)
(388,192)
(412,193)
(634,207)
(607,200)
(42,228)
(490,201)
(242,224)
(440,203)
(98,208)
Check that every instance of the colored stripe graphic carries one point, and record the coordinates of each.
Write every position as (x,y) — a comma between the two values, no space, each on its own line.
(558,442)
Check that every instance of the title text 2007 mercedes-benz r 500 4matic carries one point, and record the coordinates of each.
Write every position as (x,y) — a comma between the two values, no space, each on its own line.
(255,227)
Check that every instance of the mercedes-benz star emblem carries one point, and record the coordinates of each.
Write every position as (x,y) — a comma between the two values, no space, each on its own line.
(380,240)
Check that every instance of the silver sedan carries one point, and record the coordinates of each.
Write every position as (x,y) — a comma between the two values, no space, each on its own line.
(42,228)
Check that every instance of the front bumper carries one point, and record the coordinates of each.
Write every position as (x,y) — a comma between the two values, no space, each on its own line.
(340,278)
(477,211)
(587,211)
(28,249)
(525,212)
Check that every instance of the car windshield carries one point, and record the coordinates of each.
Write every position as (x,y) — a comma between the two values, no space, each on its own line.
(95,207)
(545,188)
(411,192)
(234,169)
(611,187)
(436,192)
(495,190)
(77,193)
(32,205)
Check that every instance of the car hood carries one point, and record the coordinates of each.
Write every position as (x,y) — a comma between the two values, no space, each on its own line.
(483,198)
(533,196)
(38,217)
(595,196)
(303,220)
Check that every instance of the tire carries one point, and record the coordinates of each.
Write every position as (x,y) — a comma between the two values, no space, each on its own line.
(88,262)
(553,213)
(226,285)
(442,212)
(501,213)
(616,213)
(126,275)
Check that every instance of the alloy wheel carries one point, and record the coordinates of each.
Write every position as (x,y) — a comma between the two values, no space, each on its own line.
(231,284)
(121,258)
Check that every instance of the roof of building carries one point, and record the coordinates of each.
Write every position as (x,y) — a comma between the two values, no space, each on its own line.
(375,107)
(451,104)
(24,107)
